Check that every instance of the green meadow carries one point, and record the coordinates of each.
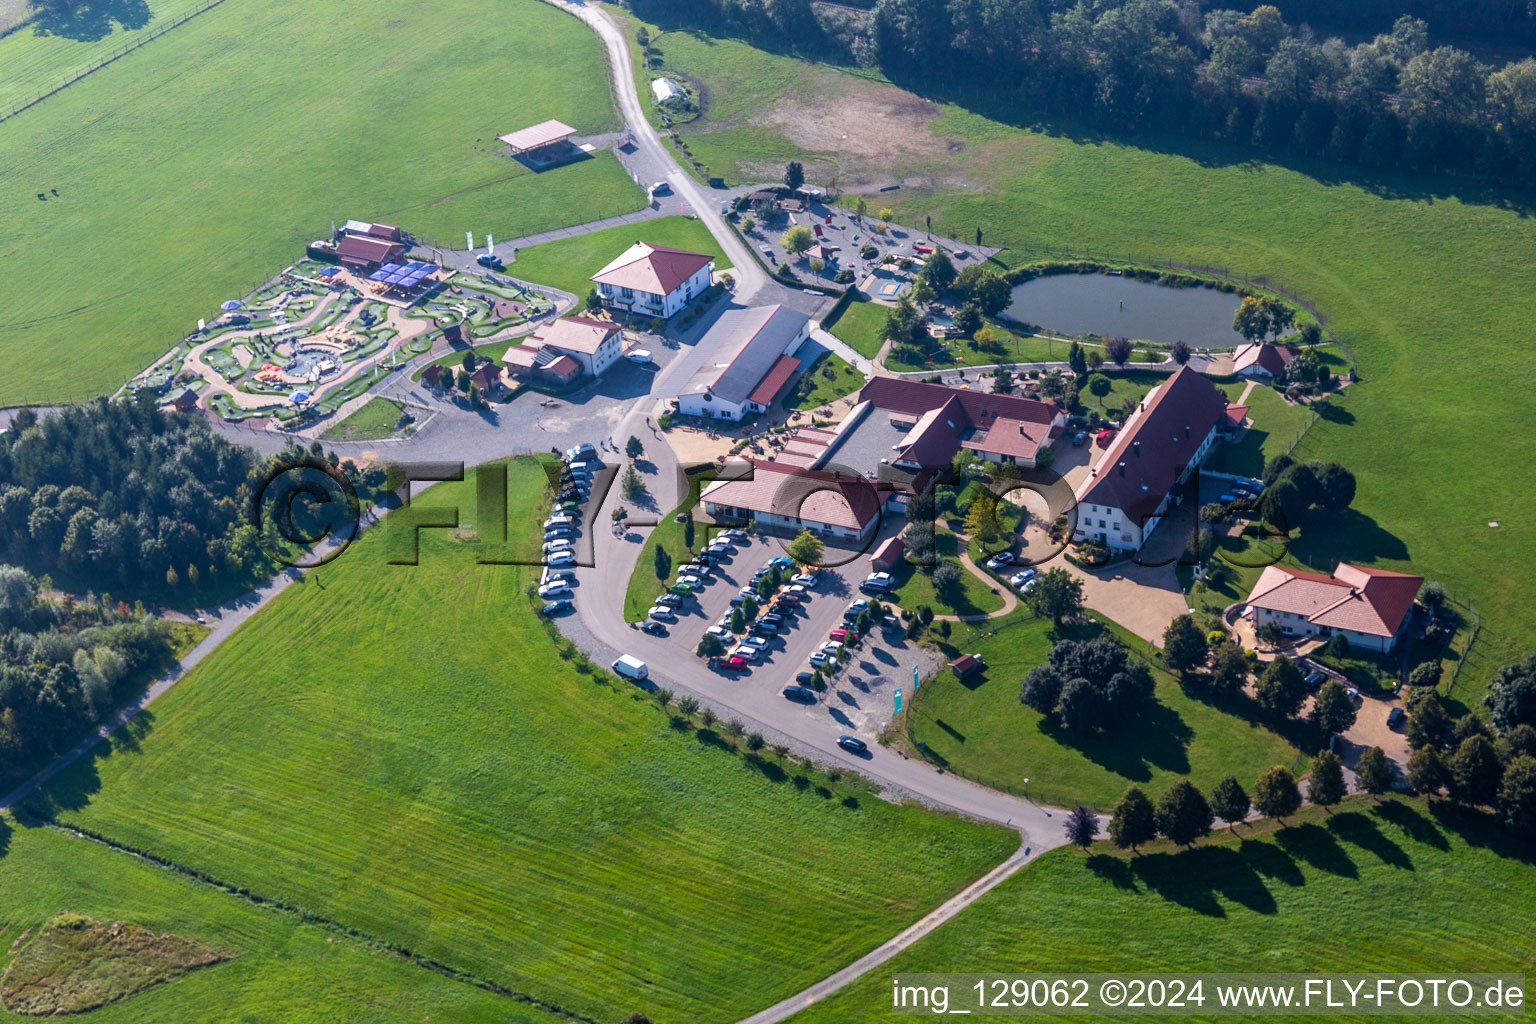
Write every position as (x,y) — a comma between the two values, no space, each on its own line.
(1399,886)
(978,727)
(185,179)
(569,263)
(1420,279)
(280,968)
(403,750)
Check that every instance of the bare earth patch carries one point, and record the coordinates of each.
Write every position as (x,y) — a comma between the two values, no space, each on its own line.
(77,963)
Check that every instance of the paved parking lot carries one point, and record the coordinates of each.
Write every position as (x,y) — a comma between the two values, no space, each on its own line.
(858,699)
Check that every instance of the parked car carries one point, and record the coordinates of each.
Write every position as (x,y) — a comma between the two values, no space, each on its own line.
(790,600)
(1395,718)
(879,582)
(580,451)
(653,628)
(805,678)
(760,572)
(755,642)
(681,588)
(996,564)
(721,633)
(561,544)
(804,579)
(550,575)
(800,693)
(560,519)
(556,532)
(744,651)
(782,562)
(1314,680)
(639,355)
(734,664)
(734,534)
(661,188)
(774,619)
(820,659)
(669,600)
(847,637)
(662,613)
(557,606)
(557,559)
(853,745)
(559,588)
(831,647)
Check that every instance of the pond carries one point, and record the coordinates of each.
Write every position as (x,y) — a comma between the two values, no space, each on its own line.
(1112,305)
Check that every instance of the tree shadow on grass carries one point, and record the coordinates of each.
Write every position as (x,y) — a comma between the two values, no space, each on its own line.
(1271,861)
(1198,878)
(1348,536)
(1115,870)
(1333,413)
(1359,829)
(768,769)
(1316,846)
(1298,732)
(5,837)
(1415,825)
(1158,739)
(89,20)
(1482,830)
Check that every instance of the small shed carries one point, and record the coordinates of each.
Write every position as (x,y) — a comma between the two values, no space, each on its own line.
(966,664)
(888,554)
(453,333)
(664,89)
(186,401)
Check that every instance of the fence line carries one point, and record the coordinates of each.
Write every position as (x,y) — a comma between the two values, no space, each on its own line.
(182,20)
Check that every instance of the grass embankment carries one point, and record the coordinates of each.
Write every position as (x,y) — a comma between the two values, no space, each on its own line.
(979,728)
(280,968)
(914,588)
(374,421)
(862,326)
(1395,887)
(845,380)
(464,792)
(257,167)
(1371,250)
(569,263)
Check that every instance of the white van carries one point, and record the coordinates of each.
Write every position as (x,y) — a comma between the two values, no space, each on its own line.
(630,667)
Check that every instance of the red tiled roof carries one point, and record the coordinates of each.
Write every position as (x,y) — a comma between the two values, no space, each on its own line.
(965,664)
(1236,414)
(366,249)
(787,490)
(889,551)
(773,380)
(944,419)
(1355,597)
(1017,438)
(577,334)
(1271,358)
(563,366)
(654,269)
(1155,446)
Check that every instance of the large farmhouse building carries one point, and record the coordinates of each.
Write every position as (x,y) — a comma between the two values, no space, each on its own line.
(1135,484)
(653,280)
(755,360)
(1368,607)
(937,421)
(791,498)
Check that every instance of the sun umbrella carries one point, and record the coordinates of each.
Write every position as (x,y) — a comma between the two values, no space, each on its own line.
(231,304)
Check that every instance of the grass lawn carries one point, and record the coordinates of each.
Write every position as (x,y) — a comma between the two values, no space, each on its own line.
(463,792)
(375,420)
(862,326)
(569,263)
(643,582)
(211,178)
(914,588)
(845,380)
(1276,425)
(979,729)
(494,350)
(1372,252)
(282,969)
(1125,386)
(1016,348)
(1399,886)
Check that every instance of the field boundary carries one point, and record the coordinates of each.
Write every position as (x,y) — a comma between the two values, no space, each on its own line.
(182,20)
(309,917)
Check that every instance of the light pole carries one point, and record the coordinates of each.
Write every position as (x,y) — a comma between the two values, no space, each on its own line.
(1026,788)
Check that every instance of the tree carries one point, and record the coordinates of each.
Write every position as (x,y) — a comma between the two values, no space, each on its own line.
(1229,801)
(794,175)
(738,621)
(634,447)
(1082,826)
(755,741)
(1134,821)
(594,301)
(1057,594)
(1426,771)
(1183,814)
(806,549)
(860,208)
(1077,360)
(1002,381)
(963,461)
(1252,318)
(1335,487)
(1425,675)
(1511,697)
(1332,709)
(798,239)
(968,319)
(688,705)
(938,270)
(1180,352)
(1118,350)
(1475,772)
(1281,689)
(982,519)
(886,213)
(947,580)
(1041,688)
(1426,723)
(688,530)
(749,607)
(1517,794)
(1275,794)
(1095,360)
(1184,645)
(985,287)
(735,729)
(1326,786)
(1099,386)
(1082,706)
(631,484)
(463,380)
(710,646)
(1372,772)
(661,560)
(1229,668)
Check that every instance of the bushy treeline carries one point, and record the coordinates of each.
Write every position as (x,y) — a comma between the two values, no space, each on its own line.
(1259,78)
(63,667)
(125,495)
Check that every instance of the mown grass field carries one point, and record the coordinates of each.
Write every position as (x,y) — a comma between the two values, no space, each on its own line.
(861,325)
(978,728)
(282,969)
(914,588)
(1398,886)
(375,420)
(569,263)
(186,179)
(1275,427)
(400,748)
(845,381)
(1419,278)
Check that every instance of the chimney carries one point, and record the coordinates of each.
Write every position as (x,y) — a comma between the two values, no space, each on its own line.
(1122,467)
(1186,431)
(1136,447)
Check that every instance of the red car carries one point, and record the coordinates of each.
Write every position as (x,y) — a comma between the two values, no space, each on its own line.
(1104,437)
(846,637)
(735,663)
(924,249)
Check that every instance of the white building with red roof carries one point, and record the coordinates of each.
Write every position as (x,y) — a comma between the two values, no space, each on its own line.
(595,344)
(1262,360)
(752,358)
(792,498)
(1369,607)
(1136,483)
(653,280)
